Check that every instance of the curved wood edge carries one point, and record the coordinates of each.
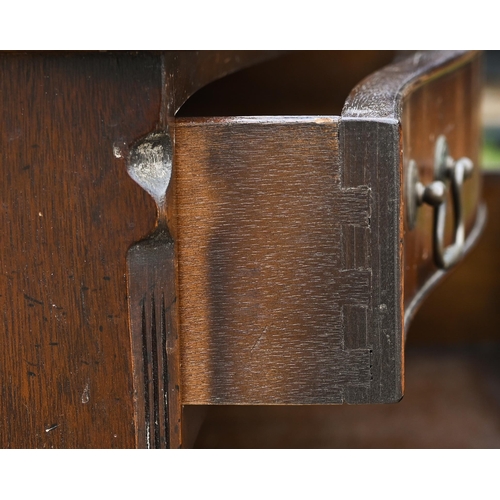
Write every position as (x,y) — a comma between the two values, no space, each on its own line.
(371,151)
(186,72)
(470,242)
(379,96)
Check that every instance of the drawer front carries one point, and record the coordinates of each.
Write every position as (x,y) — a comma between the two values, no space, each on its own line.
(442,113)
(296,265)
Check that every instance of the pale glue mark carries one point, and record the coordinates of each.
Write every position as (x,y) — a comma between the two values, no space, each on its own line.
(51,427)
(150,164)
(86,394)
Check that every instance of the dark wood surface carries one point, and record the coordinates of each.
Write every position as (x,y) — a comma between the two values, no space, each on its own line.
(266,283)
(307,82)
(370,157)
(152,263)
(424,95)
(187,71)
(290,234)
(451,402)
(275,277)
(70,212)
(151,270)
(447,105)
(380,95)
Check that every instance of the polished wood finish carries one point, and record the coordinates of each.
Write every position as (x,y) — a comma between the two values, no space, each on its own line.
(451,402)
(279,287)
(282,269)
(268,278)
(448,104)
(152,262)
(370,157)
(154,330)
(69,213)
(452,375)
(308,82)
(186,72)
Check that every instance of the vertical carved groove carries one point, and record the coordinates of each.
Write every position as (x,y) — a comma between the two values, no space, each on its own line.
(147,418)
(163,329)
(155,388)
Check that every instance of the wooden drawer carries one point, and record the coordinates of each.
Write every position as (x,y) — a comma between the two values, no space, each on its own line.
(296,261)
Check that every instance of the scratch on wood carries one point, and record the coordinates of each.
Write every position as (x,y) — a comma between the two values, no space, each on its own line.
(31,299)
(258,340)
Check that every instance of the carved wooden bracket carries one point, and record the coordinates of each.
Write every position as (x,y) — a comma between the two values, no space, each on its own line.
(152,305)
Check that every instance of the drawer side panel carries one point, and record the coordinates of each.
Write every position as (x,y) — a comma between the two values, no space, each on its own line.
(275,274)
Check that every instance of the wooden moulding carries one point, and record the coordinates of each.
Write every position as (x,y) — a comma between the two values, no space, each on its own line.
(290,248)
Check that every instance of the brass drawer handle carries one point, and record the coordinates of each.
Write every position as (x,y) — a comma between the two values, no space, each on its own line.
(435,194)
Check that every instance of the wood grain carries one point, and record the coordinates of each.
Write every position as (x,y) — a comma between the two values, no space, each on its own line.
(450,403)
(448,105)
(265,281)
(299,82)
(69,214)
(291,245)
(371,156)
(155,340)
(287,234)
(379,128)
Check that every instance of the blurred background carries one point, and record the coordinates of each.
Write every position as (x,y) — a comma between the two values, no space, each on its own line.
(452,354)
(491,110)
